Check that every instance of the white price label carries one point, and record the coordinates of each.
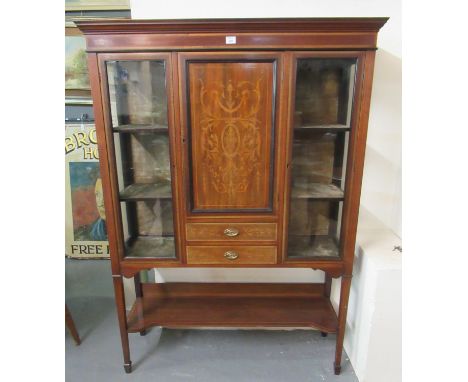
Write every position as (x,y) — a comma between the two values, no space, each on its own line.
(230,39)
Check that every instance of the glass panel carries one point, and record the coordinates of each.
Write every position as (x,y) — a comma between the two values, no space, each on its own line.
(148,228)
(324,93)
(318,165)
(324,89)
(143,165)
(314,229)
(137,92)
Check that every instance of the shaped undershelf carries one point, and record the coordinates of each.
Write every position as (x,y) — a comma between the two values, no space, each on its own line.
(146,191)
(317,191)
(232,305)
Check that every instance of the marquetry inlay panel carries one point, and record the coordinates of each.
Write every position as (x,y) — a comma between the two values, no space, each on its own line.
(231,132)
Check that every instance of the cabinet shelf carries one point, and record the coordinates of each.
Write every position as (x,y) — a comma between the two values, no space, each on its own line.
(318,191)
(151,247)
(232,305)
(331,127)
(141,128)
(146,191)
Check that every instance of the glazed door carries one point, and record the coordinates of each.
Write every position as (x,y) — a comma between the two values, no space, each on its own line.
(229,114)
(140,135)
(323,100)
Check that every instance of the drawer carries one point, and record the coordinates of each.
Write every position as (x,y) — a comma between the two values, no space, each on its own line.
(231,231)
(231,255)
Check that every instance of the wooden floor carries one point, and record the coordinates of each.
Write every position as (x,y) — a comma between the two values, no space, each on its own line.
(176,305)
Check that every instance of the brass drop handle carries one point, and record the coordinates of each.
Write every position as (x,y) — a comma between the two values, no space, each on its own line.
(231,255)
(231,232)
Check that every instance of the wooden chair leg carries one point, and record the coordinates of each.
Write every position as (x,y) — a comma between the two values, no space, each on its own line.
(71,326)
(343,310)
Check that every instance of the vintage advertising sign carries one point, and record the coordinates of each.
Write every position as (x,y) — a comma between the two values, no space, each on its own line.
(85,220)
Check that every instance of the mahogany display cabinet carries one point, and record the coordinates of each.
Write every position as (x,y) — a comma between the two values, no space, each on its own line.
(232,143)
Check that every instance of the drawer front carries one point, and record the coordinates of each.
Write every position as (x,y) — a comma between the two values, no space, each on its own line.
(231,255)
(231,231)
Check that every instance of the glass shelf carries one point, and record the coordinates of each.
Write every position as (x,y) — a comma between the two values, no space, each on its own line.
(146,191)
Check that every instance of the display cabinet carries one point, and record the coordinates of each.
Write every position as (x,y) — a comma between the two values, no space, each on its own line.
(232,143)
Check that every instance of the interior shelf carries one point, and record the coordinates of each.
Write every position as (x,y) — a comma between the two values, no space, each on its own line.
(232,305)
(146,191)
(153,247)
(140,128)
(334,127)
(317,191)
(319,246)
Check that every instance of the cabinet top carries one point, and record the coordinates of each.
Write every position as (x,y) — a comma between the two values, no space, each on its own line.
(270,33)
(316,24)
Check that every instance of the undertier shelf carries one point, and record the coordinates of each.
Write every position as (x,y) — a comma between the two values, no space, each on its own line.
(145,191)
(179,305)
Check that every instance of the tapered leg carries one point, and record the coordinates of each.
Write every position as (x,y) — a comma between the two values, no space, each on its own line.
(71,326)
(122,316)
(138,293)
(343,310)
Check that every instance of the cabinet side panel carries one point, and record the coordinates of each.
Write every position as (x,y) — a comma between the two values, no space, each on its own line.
(356,160)
(93,68)
(231,134)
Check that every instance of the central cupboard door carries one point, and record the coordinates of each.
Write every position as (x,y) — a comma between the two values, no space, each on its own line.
(230,113)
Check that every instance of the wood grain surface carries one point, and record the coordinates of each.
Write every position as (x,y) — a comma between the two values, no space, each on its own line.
(246,231)
(235,305)
(216,254)
(231,131)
